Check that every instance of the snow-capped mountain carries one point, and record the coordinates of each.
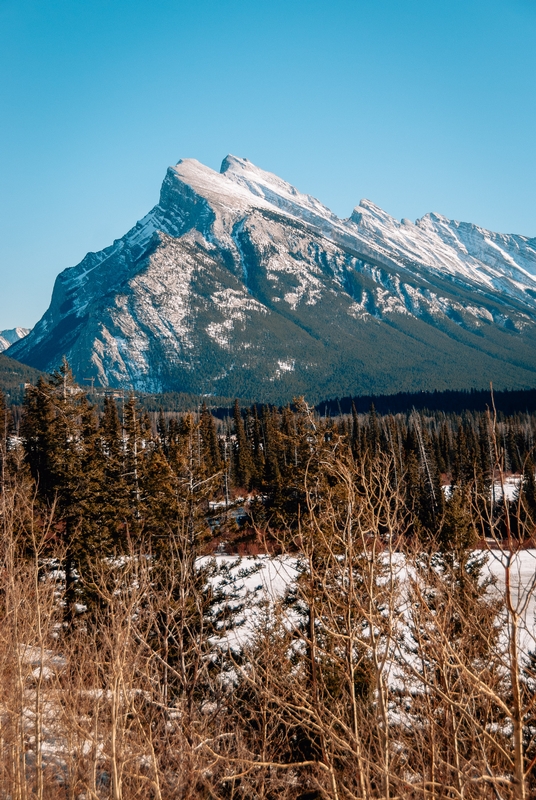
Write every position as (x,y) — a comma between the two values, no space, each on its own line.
(238,284)
(10,336)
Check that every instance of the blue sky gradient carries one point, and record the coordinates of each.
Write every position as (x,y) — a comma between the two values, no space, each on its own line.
(418,106)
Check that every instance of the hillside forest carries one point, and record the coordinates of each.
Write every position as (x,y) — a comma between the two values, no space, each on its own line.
(144,654)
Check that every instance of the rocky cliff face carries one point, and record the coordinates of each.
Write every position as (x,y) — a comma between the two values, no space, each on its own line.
(237,284)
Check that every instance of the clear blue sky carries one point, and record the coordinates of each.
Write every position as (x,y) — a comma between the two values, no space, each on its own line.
(421,105)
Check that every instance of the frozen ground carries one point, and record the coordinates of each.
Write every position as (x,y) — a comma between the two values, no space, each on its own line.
(262,581)
(265,579)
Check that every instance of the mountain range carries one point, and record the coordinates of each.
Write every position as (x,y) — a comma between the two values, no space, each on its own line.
(237,284)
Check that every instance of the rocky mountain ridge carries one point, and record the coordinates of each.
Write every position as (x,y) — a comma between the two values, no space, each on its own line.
(235,283)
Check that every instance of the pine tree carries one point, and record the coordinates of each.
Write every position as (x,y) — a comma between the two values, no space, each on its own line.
(243,463)
(5,425)
(210,449)
(355,432)
(462,468)
(160,505)
(59,432)
(339,594)
(272,472)
(431,482)
(116,508)
(136,434)
(373,432)
(486,453)
(162,432)
(445,446)
(37,433)
(457,536)
(289,440)
(512,443)
(257,447)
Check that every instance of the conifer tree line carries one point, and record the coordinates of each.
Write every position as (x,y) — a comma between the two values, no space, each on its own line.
(389,665)
(122,473)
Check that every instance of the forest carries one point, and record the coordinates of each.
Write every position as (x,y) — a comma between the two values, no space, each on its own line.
(145,653)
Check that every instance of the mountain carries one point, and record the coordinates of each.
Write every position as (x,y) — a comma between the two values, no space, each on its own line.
(236,284)
(9,337)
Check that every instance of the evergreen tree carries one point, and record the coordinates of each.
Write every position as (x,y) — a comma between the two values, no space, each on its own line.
(289,438)
(270,427)
(355,432)
(513,439)
(445,446)
(5,424)
(243,463)
(457,536)
(423,484)
(463,471)
(210,448)
(59,432)
(136,435)
(115,503)
(162,432)
(37,432)
(486,453)
(373,432)
(257,447)
(160,504)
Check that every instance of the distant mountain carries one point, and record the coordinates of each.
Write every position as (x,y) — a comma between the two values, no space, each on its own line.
(9,337)
(236,284)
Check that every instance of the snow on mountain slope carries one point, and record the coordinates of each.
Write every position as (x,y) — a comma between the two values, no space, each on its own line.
(433,241)
(278,193)
(496,261)
(236,283)
(10,336)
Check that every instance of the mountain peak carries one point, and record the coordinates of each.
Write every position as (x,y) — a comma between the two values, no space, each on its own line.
(434,217)
(370,206)
(238,284)
(234,163)
(257,180)
(367,210)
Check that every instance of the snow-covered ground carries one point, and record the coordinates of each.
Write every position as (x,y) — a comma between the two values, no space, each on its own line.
(510,484)
(522,569)
(261,581)
(265,579)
